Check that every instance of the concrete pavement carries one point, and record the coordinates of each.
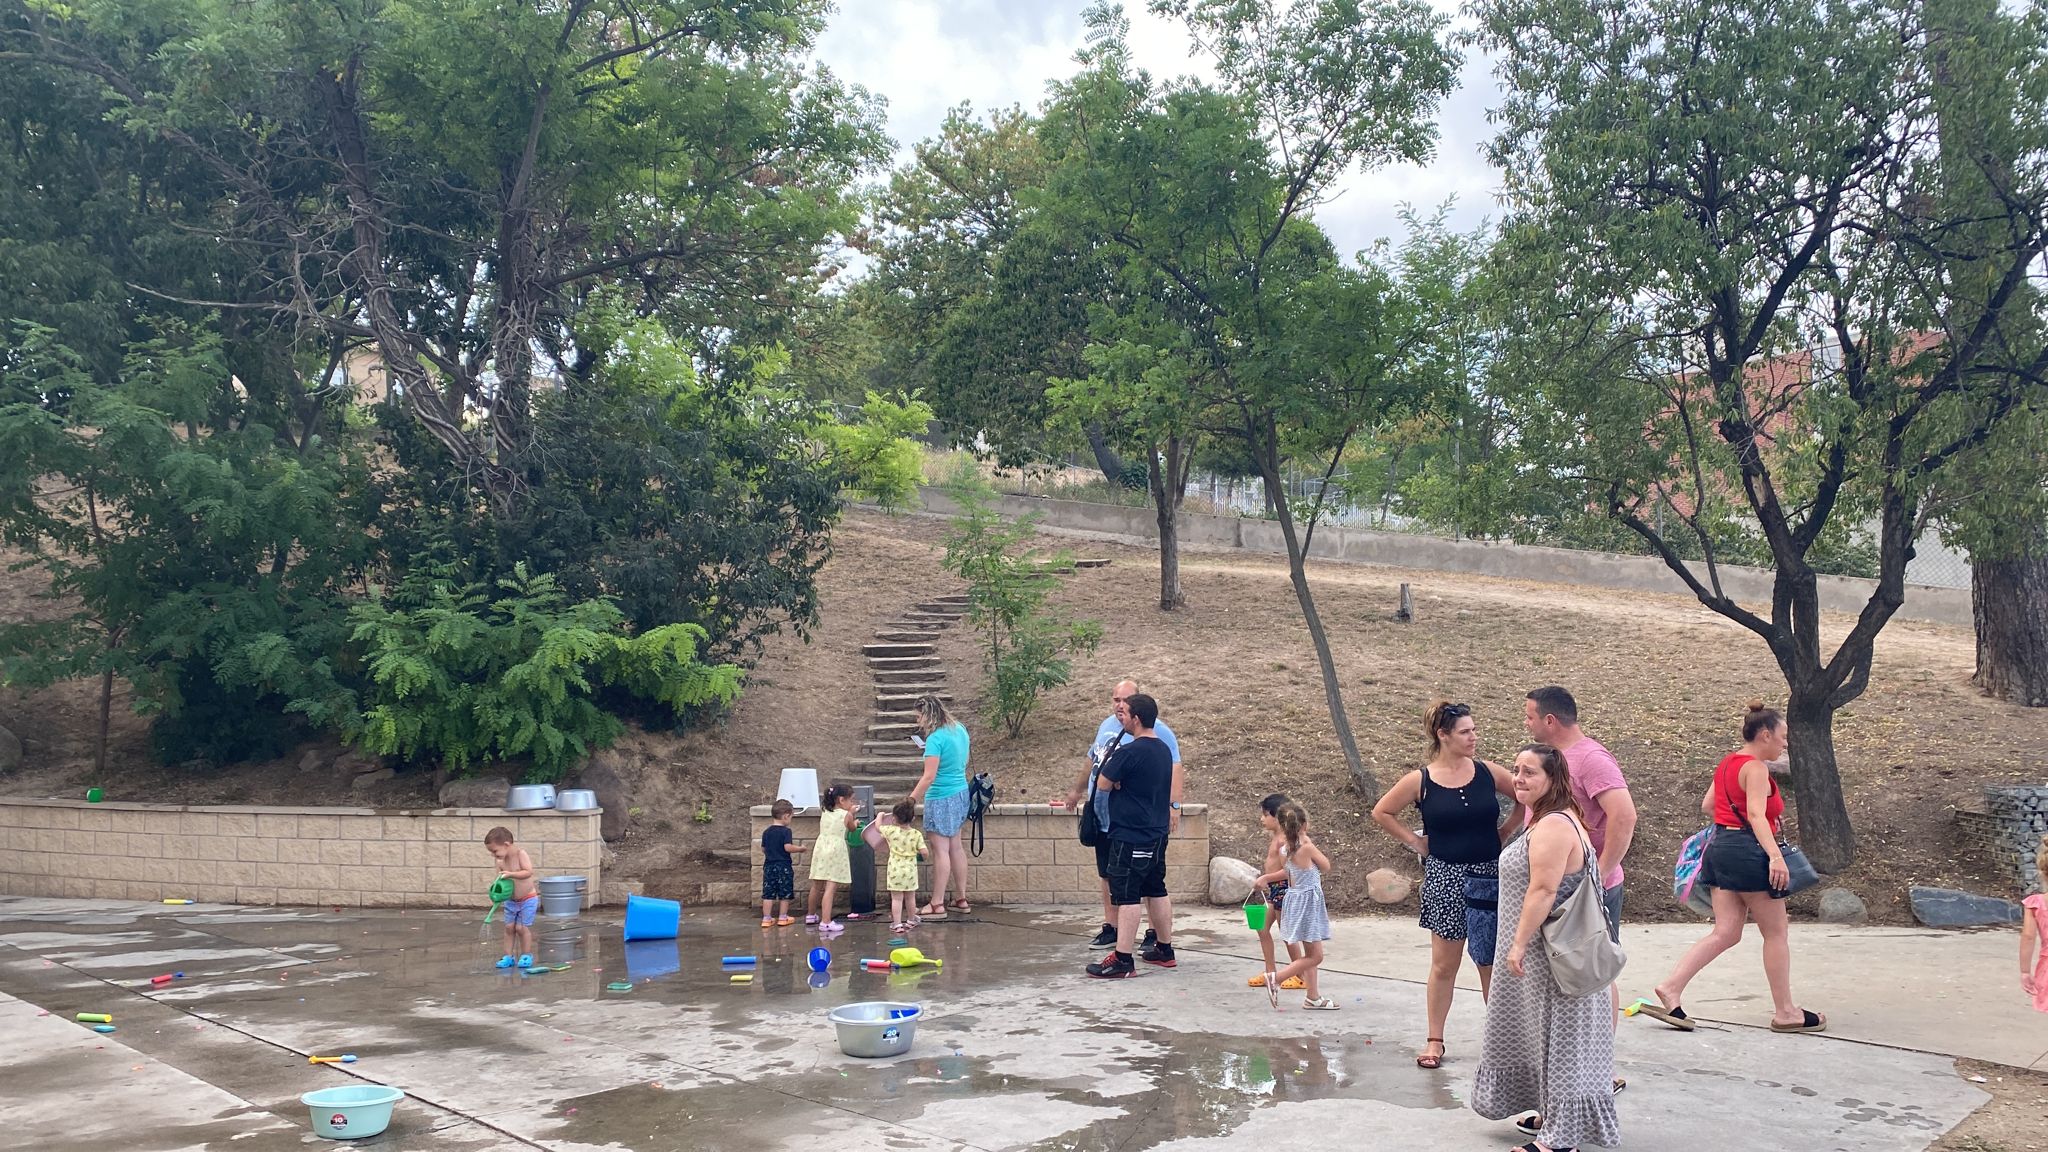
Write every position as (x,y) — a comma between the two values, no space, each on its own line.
(1018,1050)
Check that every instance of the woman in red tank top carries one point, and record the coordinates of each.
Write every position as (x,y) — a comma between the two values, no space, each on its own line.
(1746,867)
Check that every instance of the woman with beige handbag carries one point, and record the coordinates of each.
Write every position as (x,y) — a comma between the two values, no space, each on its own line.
(1549,1032)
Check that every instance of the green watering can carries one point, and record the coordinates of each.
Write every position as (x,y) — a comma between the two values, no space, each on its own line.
(501,891)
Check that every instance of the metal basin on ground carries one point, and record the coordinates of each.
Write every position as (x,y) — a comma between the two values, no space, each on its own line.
(530,797)
(875,1029)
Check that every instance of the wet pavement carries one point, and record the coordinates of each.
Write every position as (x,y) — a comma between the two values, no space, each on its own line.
(1015,1050)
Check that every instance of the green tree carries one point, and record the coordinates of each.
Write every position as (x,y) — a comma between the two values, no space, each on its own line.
(447,184)
(1204,194)
(1728,240)
(1025,645)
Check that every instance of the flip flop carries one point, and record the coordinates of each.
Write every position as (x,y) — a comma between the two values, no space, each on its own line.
(1811,1021)
(1675,1017)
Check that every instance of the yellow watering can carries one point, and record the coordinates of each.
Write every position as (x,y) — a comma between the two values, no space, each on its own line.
(911,958)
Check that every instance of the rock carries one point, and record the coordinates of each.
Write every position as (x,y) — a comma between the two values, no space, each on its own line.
(369,780)
(1841,906)
(475,792)
(616,891)
(1948,908)
(1387,886)
(601,775)
(1230,880)
(10,751)
(352,763)
(1781,771)
(318,759)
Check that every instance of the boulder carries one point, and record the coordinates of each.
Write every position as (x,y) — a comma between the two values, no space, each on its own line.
(369,780)
(1230,880)
(318,759)
(10,751)
(352,763)
(1841,906)
(602,776)
(1948,908)
(475,792)
(1387,886)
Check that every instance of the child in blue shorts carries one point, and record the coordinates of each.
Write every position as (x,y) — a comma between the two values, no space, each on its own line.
(516,865)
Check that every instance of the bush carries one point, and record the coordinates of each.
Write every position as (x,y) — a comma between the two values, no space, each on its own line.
(1024,645)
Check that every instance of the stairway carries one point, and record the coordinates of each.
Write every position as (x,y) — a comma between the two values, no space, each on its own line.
(904,664)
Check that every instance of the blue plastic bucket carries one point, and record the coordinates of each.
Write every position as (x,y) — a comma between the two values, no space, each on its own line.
(648,959)
(351,1111)
(648,918)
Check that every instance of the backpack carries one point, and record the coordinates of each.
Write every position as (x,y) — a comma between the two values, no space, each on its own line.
(981,795)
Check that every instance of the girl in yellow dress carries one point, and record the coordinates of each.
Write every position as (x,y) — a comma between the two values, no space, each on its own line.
(830,866)
(906,848)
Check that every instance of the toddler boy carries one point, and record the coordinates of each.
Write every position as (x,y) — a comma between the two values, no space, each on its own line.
(778,871)
(515,864)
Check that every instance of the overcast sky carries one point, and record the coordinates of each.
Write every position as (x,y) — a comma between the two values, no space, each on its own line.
(926,56)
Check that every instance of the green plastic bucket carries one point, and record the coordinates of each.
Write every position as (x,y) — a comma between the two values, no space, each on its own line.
(1255,916)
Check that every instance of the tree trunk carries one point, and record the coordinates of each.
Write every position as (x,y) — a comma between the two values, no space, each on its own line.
(2010,606)
(99,751)
(1165,480)
(1106,458)
(1266,451)
(1824,831)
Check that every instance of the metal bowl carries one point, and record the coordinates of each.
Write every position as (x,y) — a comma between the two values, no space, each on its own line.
(575,800)
(530,797)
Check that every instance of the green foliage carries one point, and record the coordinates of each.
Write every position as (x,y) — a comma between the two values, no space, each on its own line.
(459,678)
(1025,645)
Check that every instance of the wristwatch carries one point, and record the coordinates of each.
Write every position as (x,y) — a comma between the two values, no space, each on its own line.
(1176,805)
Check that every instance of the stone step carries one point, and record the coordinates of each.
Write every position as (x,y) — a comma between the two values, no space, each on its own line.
(959,598)
(740,857)
(925,626)
(902,675)
(894,766)
(880,663)
(940,608)
(885,702)
(896,716)
(907,688)
(885,650)
(940,618)
(908,636)
(896,729)
(898,749)
(1098,562)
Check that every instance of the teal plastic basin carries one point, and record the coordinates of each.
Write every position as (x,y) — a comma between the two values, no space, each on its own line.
(351,1111)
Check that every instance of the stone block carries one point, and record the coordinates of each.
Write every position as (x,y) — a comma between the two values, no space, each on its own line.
(408,881)
(279,875)
(447,829)
(425,855)
(404,827)
(296,851)
(999,878)
(195,872)
(109,889)
(199,823)
(537,829)
(1043,880)
(216,847)
(178,846)
(475,792)
(276,825)
(254,894)
(1032,852)
(237,824)
(320,827)
(304,897)
(257,849)
(96,820)
(377,853)
(126,821)
(235,873)
(1043,827)
(146,845)
(338,851)
(55,817)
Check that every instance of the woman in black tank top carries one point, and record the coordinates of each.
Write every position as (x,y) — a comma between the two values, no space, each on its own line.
(1457,795)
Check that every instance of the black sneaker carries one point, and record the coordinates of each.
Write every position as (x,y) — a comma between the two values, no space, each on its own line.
(1151,938)
(1160,954)
(1115,966)
(1105,938)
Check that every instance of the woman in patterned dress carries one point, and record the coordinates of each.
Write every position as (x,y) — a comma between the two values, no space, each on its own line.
(1545,1050)
(1461,836)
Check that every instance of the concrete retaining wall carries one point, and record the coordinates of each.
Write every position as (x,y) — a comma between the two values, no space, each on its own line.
(351,857)
(1751,586)
(1031,857)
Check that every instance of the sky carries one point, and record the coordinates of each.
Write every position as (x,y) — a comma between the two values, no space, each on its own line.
(926,56)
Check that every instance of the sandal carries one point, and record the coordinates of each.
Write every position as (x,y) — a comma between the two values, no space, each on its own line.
(1319,1003)
(767,921)
(784,921)
(1674,1016)
(1810,1021)
(961,907)
(1433,1062)
(935,912)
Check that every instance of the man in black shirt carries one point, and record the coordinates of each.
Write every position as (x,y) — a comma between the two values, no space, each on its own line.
(1140,778)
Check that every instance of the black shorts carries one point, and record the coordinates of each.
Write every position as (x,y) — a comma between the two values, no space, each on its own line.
(1137,872)
(1736,860)
(1103,853)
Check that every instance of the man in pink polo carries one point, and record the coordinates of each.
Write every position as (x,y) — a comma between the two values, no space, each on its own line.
(1551,717)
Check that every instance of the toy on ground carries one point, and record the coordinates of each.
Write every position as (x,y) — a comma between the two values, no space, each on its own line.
(743,978)
(912,958)
(1634,1008)
(177,901)
(103,1029)
(648,918)
(619,986)
(877,965)
(348,1059)
(821,959)
(94,1018)
(738,961)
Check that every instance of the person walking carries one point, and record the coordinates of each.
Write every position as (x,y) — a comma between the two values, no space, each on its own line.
(1461,837)
(943,789)
(1305,919)
(1109,736)
(1545,1050)
(1139,776)
(1746,867)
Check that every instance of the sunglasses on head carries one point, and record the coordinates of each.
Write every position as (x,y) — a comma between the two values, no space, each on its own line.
(1454,711)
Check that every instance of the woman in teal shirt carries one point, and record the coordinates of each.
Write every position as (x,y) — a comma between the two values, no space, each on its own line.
(943,788)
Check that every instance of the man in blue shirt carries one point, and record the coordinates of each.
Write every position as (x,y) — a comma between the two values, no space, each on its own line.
(1139,775)
(1109,735)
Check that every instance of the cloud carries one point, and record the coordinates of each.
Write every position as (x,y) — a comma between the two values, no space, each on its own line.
(926,56)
